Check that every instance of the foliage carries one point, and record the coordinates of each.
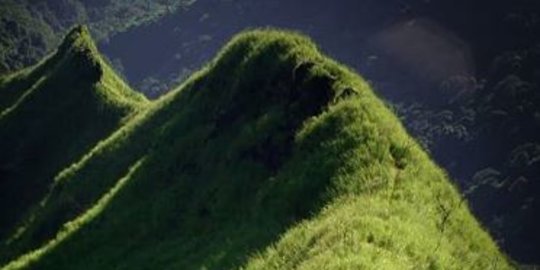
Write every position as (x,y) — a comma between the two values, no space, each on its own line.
(29,29)
(430,126)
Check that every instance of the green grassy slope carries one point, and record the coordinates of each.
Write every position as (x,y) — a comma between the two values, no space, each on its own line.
(271,157)
(53,113)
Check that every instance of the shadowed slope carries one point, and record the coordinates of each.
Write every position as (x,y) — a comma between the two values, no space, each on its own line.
(271,157)
(53,113)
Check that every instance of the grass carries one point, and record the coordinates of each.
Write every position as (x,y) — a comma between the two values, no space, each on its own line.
(273,156)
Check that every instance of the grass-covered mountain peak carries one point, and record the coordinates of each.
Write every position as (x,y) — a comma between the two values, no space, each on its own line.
(80,48)
(51,114)
(273,156)
(79,52)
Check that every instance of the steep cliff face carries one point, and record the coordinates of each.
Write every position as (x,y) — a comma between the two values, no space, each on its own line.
(273,156)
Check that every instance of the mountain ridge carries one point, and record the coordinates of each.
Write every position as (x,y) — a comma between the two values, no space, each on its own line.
(273,156)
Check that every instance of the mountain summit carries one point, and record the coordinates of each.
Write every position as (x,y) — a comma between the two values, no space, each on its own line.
(272,156)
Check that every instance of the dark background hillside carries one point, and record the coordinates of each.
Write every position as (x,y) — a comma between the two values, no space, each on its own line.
(31,28)
(463,74)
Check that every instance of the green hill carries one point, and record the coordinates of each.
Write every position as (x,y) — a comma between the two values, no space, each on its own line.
(271,157)
(53,113)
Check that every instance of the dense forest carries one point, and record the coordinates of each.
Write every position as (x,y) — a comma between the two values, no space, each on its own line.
(463,76)
(31,28)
